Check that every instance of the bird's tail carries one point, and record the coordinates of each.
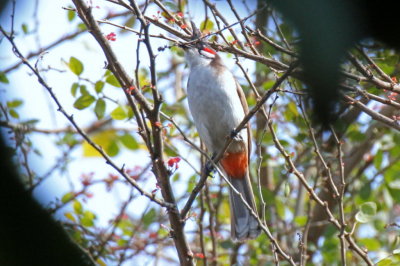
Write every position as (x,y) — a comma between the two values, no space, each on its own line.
(243,224)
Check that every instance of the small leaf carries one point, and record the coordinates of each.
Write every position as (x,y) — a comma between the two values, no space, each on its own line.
(287,189)
(71,15)
(74,88)
(100,108)
(206,25)
(104,139)
(75,65)
(24,27)
(300,220)
(112,80)
(3,78)
(77,207)
(70,216)
(119,113)
(367,212)
(83,90)
(67,197)
(378,158)
(98,87)
(84,101)
(129,141)
(82,26)
(14,104)
(112,149)
(149,217)
(385,262)
(88,219)
(13,113)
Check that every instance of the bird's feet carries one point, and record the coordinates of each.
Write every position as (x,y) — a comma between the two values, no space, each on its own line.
(235,135)
(209,167)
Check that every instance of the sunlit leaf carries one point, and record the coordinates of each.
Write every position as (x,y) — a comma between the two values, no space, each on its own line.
(67,197)
(24,28)
(385,262)
(77,207)
(119,113)
(103,139)
(13,113)
(75,65)
(71,15)
(207,25)
(112,80)
(14,104)
(98,86)
(300,220)
(70,216)
(88,218)
(74,88)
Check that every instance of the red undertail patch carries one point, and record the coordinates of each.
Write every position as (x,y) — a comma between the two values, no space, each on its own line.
(235,164)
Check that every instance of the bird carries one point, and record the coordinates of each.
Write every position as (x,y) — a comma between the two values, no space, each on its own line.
(218,104)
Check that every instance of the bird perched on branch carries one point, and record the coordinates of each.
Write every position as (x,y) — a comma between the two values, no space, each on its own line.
(218,105)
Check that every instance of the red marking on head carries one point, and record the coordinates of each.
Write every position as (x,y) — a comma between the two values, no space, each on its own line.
(235,164)
(209,50)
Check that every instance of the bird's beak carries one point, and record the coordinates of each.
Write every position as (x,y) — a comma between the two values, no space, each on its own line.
(196,34)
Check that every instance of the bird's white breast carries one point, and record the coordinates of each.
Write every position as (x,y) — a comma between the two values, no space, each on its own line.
(214,104)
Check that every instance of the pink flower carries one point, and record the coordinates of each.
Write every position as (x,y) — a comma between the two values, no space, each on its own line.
(111,36)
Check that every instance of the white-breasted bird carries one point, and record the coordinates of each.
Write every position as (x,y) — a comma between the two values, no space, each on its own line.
(218,104)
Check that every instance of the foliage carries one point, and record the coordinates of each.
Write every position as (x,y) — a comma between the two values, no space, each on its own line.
(327,196)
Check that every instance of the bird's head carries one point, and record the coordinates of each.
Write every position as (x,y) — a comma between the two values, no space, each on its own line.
(197,52)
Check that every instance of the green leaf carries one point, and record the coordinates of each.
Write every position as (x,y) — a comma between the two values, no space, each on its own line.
(300,220)
(83,90)
(84,101)
(149,217)
(119,113)
(77,207)
(112,80)
(88,219)
(287,189)
(129,141)
(74,88)
(103,139)
(67,197)
(70,216)
(3,78)
(71,15)
(378,159)
(82,26)
(206,25)
(371,244)
(24,27)
(75,65)
(14,104)
(112,149)
(13,113)
(385,262)
(98,87)
(100,108)
(367,212)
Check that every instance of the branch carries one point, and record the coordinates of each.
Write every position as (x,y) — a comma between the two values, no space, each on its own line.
(78,129)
